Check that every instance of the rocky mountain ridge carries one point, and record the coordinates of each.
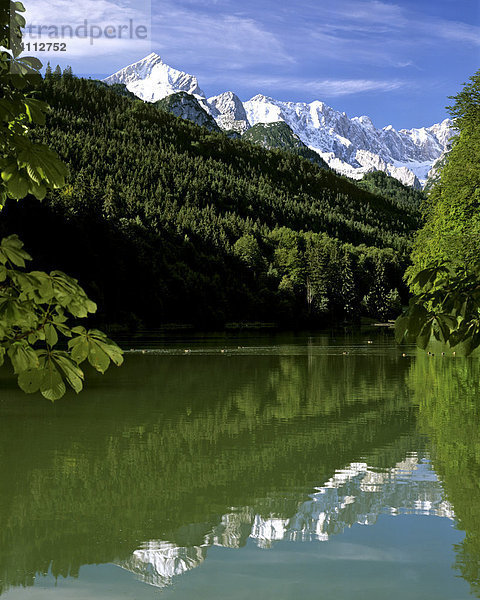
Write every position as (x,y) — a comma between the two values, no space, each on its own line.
(350,146)
(280,135)
(187,106)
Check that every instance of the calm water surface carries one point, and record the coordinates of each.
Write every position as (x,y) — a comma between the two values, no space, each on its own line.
(247,468)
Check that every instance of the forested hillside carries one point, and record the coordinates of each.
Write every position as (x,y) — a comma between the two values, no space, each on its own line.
(380,183)
(279,135)
(164,221)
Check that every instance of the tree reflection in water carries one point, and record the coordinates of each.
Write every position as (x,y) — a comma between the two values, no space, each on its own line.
(174,453)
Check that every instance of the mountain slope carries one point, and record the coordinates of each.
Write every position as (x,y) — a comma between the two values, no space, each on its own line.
(352,147)
(227,109)
(279,135)
(382,184)
(177,224)
(187,107)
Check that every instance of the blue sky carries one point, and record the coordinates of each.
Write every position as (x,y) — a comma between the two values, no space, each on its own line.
(394,61)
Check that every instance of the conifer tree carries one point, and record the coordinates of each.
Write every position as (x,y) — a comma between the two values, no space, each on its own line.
(348,293)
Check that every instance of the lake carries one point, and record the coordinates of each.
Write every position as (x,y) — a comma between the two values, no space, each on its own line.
(247,467)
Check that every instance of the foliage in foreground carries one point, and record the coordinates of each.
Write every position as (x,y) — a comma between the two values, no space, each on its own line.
(34,315)
(445,271)
(26,167)
(446,308)
(35,306)
(452,211)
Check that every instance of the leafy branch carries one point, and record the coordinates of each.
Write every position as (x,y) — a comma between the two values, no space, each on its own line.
(35,307)
(25,167)
(446,308)
(34,312)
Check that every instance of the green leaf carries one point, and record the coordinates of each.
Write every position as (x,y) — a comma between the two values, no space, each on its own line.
(30,380)
(44,291)
(52,386)
(96,333)
(45,163)
(79,348)
(425,335)
(73,374)
(27,283)
(114,352)
(17,185)
(401,327)
(32,62)
(32,338)
(38,190)
(66,331)
(97,357)
(90,306)
(35,110)
(8,110)
(23,357)
(69,294)
(60,316)
(79,329)
(424,276)
(445,326)
(12,248)
(51,336)
(417,317)
(17,313)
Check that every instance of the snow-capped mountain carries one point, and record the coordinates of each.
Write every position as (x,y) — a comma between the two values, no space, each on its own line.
(227,109)
(350,146)
(354,146)
(151,80)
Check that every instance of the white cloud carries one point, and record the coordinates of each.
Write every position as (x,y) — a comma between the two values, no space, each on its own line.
(342,87)
(51,12)
(349,44)
(375,33)
(324,87)
(91,29)
(371,13)
(455,31)
(236,40)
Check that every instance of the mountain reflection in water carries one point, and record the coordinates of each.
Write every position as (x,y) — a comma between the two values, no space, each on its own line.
(353,495)
(171,455)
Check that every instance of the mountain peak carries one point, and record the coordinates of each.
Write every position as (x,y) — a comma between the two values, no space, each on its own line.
(405,154)
(365,121)
(227,109)
(151,79)
(152,57)
(261,98)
